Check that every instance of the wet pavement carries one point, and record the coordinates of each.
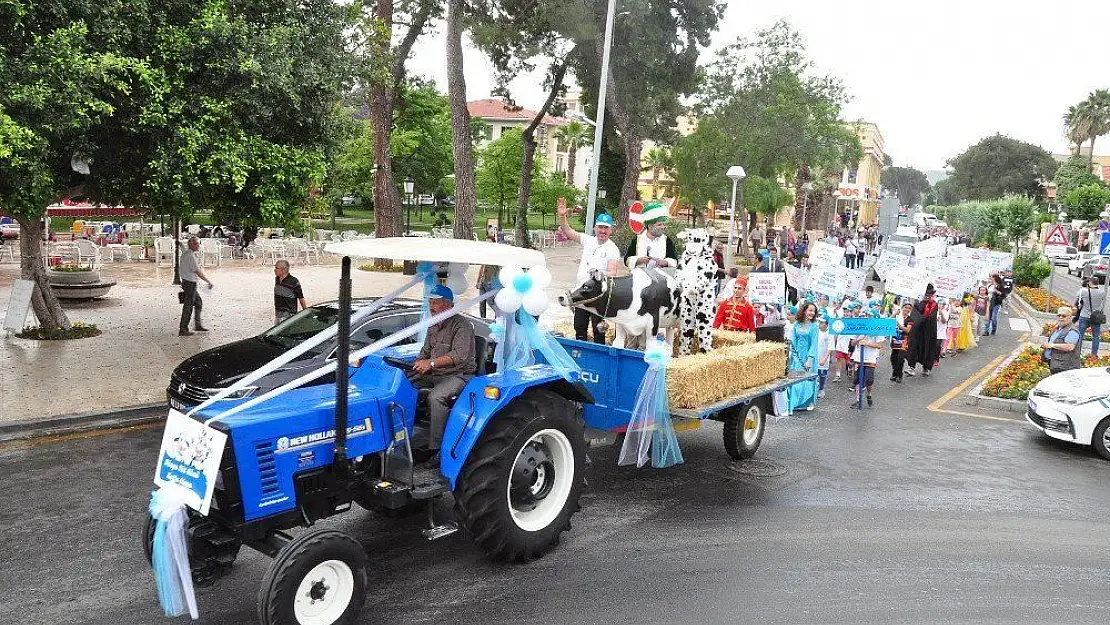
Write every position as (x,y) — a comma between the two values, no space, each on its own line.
(896,514)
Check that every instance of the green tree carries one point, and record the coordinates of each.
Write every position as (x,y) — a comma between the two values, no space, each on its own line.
(1072,174)
(573,135)
(658,160)
(352,168)
(1088,201)
(1088,120)
(1014,216)
(999,166)
(907,182)
(546,191)
(764,197)
(946,193)
(498,175)
(700,162)
(420,143)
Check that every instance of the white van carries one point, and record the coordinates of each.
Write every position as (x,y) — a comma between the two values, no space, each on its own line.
(924,220)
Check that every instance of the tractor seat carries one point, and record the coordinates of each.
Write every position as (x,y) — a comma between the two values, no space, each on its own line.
(481,355)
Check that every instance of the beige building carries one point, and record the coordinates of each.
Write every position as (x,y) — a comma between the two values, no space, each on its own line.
(858,191)
(501,117)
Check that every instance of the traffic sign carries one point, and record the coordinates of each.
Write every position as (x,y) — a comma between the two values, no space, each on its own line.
(1056,235)
(635,217)
(1053,251)
(1104,244)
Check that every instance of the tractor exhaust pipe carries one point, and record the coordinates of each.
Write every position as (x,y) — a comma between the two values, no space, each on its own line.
(342,364)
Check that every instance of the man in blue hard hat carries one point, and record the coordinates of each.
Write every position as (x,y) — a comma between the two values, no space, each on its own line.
(445,364)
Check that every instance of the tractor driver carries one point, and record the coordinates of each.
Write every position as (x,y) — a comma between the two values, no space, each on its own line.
(446,363)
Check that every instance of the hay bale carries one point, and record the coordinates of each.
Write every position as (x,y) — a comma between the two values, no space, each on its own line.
(727,338)
(566,328)
(701,379)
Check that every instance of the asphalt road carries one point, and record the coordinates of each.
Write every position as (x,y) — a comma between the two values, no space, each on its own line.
(897,514)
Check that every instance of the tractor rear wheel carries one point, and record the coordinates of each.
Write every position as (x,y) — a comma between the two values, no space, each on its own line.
(319,578)
(743,430)
(521,483)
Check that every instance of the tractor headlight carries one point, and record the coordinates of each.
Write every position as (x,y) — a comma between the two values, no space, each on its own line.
(242,393)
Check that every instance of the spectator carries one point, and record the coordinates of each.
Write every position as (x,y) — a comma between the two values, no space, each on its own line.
(287,293)
(850,253)
(770,264)
(1092,312)
(1061,352)
(191,303)
(982,305)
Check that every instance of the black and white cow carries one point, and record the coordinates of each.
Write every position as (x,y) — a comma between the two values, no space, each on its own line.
(640,304)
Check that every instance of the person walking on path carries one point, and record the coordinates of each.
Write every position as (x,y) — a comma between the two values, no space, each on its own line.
(923,336)
(803,357)
(1092,312)
(898,343)
(997,298)
(850,253)
(287,293)
(191,303)
(598,253)
(982,305)
(824,354)
(1061,351)
(965,337)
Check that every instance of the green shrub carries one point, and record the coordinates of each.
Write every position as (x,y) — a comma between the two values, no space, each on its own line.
(1030,268)
(77,331)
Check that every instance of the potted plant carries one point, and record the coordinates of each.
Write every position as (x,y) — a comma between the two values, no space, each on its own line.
(72,273)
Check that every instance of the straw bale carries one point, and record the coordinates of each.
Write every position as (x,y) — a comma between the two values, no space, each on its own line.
(701,379)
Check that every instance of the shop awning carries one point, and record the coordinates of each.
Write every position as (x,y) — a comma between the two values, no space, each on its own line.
(85,209)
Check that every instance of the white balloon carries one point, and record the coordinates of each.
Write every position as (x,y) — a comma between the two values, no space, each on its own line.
(456,269)
(457,283)
(507,274)
(541,277)
(535,302)
(507,300)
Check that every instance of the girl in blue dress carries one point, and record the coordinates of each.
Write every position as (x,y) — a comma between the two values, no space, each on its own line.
(803,357)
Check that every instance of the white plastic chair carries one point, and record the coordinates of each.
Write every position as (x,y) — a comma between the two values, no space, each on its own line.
(88,252)
(163,249)
(209,249)
(7,249)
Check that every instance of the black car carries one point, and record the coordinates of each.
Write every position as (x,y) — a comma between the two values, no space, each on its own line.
(202,375)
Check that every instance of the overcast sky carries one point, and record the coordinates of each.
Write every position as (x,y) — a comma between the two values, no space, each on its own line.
(935,76)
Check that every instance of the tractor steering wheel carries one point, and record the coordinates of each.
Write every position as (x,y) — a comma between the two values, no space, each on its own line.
(403,365)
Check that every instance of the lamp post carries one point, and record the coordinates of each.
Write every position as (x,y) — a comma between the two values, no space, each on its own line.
(408,205)
(736,173)
(599,127)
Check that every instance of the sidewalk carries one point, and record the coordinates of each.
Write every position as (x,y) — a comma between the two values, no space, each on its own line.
(130,363)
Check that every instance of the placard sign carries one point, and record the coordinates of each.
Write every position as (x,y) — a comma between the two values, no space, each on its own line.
(907,282)
(767,288)
(853,281)
(18,305)
(948,286)
(825,254)
(930,248)
(190,459)
(1001,261)
(796,277)
(828,280)
(889,260)
(864,326)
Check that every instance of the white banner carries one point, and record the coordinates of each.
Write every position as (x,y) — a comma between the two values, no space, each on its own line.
(767,288)
(190,459)
(930,248)
(828,280)
(825,254)
(907,282)
(889,260)
(796,277)
(948,286)
(1001,261)
(854,280)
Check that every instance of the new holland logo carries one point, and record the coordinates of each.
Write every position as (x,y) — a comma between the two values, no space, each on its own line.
(282,443)
(181,388)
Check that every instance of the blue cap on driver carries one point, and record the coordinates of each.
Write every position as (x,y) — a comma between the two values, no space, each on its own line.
(441,292)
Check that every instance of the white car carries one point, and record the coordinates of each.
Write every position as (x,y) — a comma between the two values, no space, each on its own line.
(9,231)
(1075,265)
(1063,256)
(1074,406)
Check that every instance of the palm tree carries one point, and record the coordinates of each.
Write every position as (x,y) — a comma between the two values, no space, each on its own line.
(657,160)
(1088,120)
(573,135)
(1077,125)
(1099,103)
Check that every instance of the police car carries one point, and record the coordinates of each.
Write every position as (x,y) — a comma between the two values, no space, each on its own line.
(1074,406)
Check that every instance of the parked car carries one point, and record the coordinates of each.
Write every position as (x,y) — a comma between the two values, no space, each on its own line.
(202,375)
(1075,265)
(1096,268)
(9,231)
(1064,256)
(1074,406)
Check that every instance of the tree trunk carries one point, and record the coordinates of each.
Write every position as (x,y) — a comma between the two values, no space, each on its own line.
(47,308)
(655,182)
(801,177)
(525,193)
(387,200)
(572,154)
(633,145)
(461,147)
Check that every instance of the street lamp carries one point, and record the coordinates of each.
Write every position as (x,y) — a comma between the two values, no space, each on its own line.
(807,187)
(408,205)
(736,173)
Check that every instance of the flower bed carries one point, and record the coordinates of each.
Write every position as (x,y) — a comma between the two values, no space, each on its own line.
(1038,298)
(1046,330)
(1016,379)
(76,331)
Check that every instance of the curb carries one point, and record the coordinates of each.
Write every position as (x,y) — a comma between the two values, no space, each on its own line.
(976,397)
(71,424)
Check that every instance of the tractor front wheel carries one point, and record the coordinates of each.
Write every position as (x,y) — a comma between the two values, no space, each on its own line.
(521,483)
(319,578)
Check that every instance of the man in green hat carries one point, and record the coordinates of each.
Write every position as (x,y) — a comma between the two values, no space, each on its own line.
(652,247)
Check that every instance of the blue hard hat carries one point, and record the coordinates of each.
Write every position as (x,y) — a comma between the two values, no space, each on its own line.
(604,220)
(851,306)
(441,292)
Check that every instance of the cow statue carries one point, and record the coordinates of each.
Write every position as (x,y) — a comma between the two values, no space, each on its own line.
(639,305)
(696,275)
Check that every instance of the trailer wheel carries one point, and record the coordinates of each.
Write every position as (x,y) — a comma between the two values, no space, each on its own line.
(148,537)
(319,578)
(743,430)
(520,486)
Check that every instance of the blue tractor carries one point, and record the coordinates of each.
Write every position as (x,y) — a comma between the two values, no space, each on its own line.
(513,456)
